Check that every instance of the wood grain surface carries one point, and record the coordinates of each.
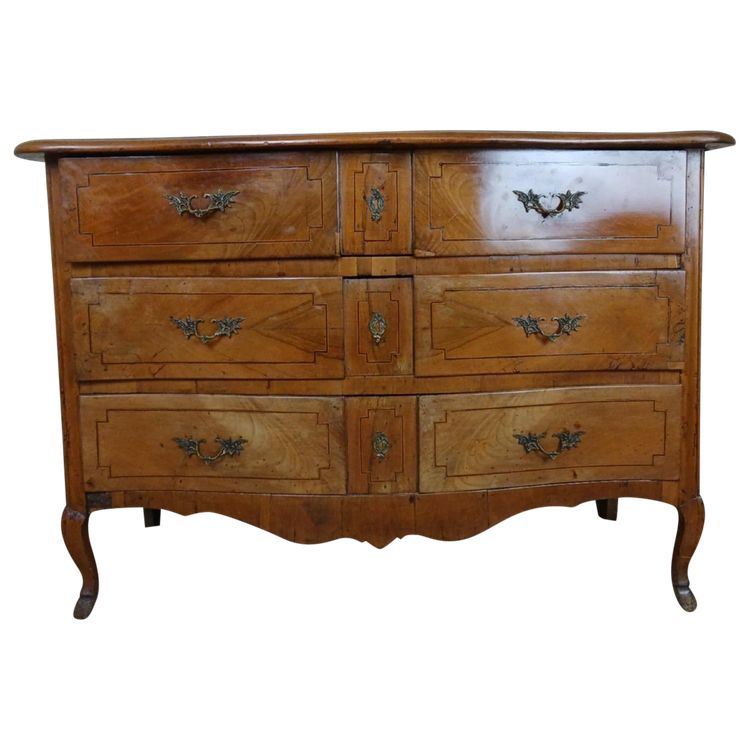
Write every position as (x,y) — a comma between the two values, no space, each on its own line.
(391,468)
(119,209)
(474,324)
(389,353)
(474,441)
(380,519)
(290,444)
(381,375)
(696,139)
(467,202)
(286,328)
(387,232)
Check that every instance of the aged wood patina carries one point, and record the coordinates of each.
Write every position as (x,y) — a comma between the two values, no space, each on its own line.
(378,334)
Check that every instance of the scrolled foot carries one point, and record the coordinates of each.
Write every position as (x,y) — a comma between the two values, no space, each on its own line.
(685,597)
(689,529)
(83,607)
(75,531)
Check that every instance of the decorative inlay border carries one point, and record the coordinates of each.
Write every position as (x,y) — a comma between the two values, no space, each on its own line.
(323,307)
(364,432)
(447,291)
(267,168)
(211,474)
(536,468)
(481,164)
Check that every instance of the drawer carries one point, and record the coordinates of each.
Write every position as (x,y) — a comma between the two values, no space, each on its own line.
(376,203)
(549,322)
(532,202)
(526,438)
(207,328)
(189,207)
(379,327)
(381,439)
(213,443)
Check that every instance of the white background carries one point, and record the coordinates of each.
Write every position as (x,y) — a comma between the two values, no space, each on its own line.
(552,630)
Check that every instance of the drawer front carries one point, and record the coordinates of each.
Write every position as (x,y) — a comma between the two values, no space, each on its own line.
(381,440)
(507,202)
(234,206)
(549,321)
(208,328)
(213,443)
(376,203)
(528,438)
(379,328)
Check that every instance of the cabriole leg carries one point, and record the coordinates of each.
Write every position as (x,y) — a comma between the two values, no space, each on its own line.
(151,517)
(689,528)
(75,531)
(607,509)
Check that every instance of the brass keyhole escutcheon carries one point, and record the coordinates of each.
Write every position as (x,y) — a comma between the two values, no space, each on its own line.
(377,327)
(381,445)
(375,203)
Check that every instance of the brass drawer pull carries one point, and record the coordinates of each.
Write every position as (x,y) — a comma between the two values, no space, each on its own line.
(566,202)
(376,203)
(224,327)
(566,441)
(218,201)
(566,324)
(381,445)
(229,447)
(377,327)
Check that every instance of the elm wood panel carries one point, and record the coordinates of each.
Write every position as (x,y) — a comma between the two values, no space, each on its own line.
(693,260)
(469,441)
(380,519)
(395,468)
(381,266)
(703,139)
(364,233)
(467,324)
(117,209)
(464,202)
(389,385)
(292,444)
(69,390)
(392,353)
(291,328)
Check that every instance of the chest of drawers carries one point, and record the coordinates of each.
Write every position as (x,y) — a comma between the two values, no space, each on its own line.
(375,335)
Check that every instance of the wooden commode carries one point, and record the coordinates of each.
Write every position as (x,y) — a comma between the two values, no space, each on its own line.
(378,334)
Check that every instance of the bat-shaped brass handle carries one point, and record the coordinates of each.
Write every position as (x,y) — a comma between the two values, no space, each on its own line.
(227,447)
(218,201)
(567,201)
(566,324)
(224,327)
(566,441)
